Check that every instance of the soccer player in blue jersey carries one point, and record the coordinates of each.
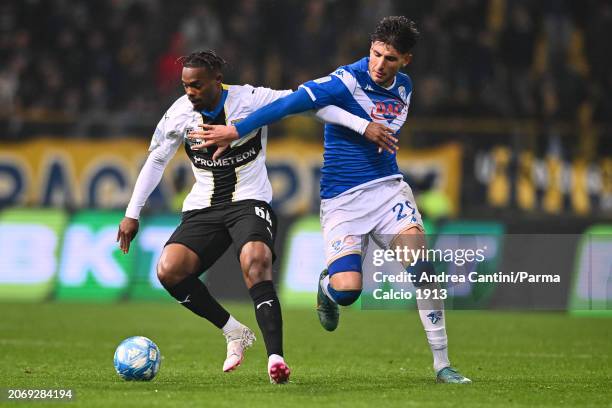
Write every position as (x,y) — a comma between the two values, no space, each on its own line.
(362,190)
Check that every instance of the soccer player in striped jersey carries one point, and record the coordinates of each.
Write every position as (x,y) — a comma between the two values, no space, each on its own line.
(362,190)
(229,203)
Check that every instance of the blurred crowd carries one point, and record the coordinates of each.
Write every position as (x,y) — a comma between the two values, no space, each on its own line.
(112,63)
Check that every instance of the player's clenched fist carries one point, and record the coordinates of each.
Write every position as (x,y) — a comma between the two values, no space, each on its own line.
(128,228)
(382,136)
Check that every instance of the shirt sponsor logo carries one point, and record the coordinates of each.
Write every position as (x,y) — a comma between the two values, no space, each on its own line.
(226,161)
(388,110)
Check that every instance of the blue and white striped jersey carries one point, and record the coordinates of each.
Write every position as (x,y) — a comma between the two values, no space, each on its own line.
(350,160)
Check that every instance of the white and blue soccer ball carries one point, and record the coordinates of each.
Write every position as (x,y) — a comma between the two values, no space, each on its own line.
(137,359)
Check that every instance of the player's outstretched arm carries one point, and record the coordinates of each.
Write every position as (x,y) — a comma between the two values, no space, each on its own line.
(149,177)
(374,132)
(222,136)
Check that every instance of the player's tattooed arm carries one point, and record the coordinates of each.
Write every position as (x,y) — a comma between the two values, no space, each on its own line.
(382,136)
(128,228)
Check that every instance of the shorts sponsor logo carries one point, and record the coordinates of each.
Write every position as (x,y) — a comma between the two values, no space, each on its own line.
(337,245)
(340,243)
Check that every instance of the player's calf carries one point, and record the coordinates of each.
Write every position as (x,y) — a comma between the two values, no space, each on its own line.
(256,263)
(176,271)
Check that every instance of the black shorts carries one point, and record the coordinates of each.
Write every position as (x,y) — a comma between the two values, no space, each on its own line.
(210,231)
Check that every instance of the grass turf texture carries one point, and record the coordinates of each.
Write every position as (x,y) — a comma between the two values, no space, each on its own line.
(373,359)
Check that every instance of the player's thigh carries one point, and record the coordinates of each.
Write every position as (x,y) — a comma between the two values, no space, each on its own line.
(252,225)
(412,237)
(203,234)
(401,222)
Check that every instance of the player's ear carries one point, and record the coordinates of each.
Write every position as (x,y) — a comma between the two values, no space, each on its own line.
(406,59)
(219,78)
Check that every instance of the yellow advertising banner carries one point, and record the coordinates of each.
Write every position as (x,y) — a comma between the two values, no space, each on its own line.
(53,172)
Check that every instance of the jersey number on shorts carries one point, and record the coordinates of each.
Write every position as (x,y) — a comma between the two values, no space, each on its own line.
(399,208)
(263,213)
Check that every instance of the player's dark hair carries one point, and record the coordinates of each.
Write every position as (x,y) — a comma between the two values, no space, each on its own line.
(397,31)
(203,59)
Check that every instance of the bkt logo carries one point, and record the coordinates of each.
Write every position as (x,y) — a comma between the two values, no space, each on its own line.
(387,110)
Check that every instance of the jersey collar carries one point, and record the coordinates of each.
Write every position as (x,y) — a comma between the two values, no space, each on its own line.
(215,112)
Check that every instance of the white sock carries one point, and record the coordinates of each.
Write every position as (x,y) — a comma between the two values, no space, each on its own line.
(438,343)
(324,284)
(231,324)
(431,312)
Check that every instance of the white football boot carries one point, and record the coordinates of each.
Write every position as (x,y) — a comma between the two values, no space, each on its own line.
(238,340)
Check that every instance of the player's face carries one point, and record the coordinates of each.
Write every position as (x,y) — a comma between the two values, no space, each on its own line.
(202,87)
(385,61)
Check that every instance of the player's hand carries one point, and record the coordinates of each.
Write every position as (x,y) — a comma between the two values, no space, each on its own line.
(220,150)
(128,228)
(382,136)
(218,135)
(199,143)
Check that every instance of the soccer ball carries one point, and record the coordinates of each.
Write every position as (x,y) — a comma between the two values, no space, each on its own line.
(137,359)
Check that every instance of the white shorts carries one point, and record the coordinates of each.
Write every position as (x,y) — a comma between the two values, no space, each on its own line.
(381,209)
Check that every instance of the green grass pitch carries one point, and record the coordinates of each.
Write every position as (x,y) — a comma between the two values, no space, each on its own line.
(374,359)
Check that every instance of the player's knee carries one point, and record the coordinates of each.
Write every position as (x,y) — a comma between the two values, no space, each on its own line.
(256,261)
(344,297)
(175,264)
(345,273)
(349,280)
(345,279)
(422,271)
(345,287)
(169,272)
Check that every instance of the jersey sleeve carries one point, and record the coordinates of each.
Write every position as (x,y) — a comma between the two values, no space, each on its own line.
(164,144)
(336,116)
(295,102)
(331,89)
(263,96)
(166,138)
